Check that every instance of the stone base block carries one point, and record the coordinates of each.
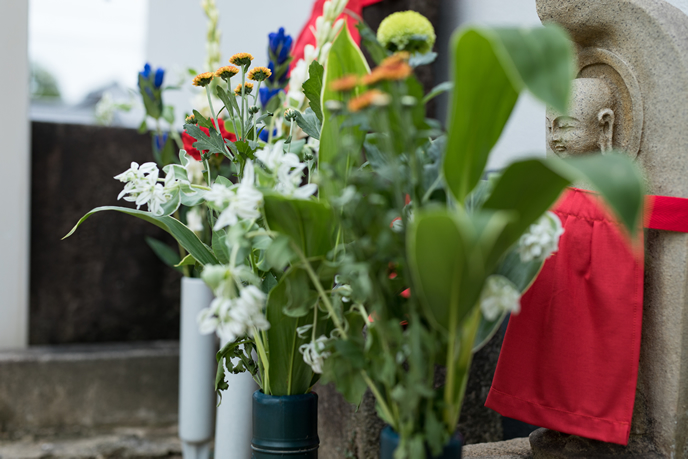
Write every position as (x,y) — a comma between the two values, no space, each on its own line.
(549,444)
(518,448)
(74,388)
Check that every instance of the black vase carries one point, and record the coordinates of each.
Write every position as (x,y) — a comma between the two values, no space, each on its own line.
(285,426)
(389,440)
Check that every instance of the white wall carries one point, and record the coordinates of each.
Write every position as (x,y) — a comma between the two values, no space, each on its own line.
(177,29)
(524,134)
(15,158)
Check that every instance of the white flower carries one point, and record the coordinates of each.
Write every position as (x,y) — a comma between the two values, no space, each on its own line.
(239,201)
(398,225)
(542,238)
(271,155)
(233,318)
(314,353)
(289,171)
(194,220)
(195,170)
(499,294)
(298,76)
(142,187)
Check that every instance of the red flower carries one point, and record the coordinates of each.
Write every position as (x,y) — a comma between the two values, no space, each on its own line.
(189,141)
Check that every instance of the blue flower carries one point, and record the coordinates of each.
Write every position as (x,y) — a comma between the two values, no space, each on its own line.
(264,134)
(160,141)
(280,45)
(266,94)
(159,75)
(146,71)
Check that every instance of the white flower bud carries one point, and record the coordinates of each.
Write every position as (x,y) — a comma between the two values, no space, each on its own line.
(541,239)
(499,294)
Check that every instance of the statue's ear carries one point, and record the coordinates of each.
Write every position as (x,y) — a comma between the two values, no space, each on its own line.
(605,117)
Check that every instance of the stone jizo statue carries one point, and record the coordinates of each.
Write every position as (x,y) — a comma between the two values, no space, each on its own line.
(589,125)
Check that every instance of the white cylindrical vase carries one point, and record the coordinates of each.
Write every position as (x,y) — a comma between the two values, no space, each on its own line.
(234,422)
(197,369)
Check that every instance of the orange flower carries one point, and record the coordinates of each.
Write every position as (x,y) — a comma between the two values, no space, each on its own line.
(259,74)
(203,79)
(226,72)
(345,83)
(389,71)
(368,98)
(241,59)
(248,87)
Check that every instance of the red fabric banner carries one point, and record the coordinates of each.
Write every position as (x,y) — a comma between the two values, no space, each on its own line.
(306,36)
(569,361)
(667,213)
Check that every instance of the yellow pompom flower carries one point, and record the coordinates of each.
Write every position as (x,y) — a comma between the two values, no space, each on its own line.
(241,59)
(203,79)
(191,119)
(226,72)
(406,31)
(259,74)
(248,87)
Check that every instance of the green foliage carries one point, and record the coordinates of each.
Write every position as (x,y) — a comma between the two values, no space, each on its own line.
(312,88)
(166,253)
(178,230)
(490,67)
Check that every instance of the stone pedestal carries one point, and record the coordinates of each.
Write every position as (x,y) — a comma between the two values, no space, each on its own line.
(640,47)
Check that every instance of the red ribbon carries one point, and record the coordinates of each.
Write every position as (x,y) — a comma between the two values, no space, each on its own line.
(667,213)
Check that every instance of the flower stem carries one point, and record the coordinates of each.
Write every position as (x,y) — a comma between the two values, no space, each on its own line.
(380,400)
(217,126)
(230,93)
(255,119)
(243,100)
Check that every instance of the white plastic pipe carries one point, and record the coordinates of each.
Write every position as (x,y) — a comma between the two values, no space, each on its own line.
(234,423)
(196,373)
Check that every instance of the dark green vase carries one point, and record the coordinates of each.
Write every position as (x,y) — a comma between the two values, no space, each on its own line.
(389,440)
(285,426)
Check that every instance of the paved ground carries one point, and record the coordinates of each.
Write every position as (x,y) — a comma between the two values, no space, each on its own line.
(120,443)
(518,448)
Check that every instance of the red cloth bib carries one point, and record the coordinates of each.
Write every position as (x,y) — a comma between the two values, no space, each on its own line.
(569,361)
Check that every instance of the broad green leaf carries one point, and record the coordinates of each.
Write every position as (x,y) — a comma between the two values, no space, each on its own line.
(528,189)
(441,246)
(490,68)
(312,88)
(178,230)
(542,60)
(219,245)
(309,224)
(288,374)
(482,101)
(370,43)
(167,254)
(345,58)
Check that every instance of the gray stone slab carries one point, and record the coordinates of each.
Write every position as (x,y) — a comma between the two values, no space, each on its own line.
(131,443)
(78,388)
(518,448)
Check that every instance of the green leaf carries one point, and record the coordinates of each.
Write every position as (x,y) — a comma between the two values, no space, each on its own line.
(229,101)
(528,189)
(143,127)
(437,90)
(482,101)
(309,224)
(312,88)
(490,68)
(308,121)
(178,230)
(288,373)
(167,254)
(279,254)
(540,59)
(188,260)
(370,43)
(345,58)
(213,143)
(219,245)
(441,247)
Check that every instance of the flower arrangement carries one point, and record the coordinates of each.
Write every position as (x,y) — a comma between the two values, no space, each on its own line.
(379,220)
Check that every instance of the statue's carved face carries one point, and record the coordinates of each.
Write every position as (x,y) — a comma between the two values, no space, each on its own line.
(589,126)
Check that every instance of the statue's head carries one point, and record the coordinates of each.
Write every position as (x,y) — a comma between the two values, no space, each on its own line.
(589,126)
